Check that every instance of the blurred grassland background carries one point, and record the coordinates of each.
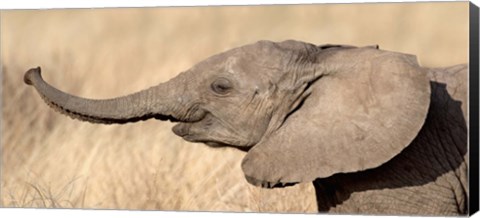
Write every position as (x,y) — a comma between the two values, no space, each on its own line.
(50,160)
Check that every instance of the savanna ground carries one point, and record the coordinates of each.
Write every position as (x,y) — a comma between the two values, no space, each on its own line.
(50,160)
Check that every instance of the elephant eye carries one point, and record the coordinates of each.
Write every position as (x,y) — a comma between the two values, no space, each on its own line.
(221,86)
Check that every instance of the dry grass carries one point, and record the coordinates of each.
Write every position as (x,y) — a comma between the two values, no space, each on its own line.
(49,160)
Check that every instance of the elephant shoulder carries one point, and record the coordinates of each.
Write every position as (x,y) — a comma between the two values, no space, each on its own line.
(455,80)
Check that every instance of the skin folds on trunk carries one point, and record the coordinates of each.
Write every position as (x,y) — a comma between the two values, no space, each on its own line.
(141,105)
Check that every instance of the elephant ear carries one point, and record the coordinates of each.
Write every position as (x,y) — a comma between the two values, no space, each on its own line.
(365,109)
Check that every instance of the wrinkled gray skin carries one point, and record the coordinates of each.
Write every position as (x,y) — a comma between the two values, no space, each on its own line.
(374,131)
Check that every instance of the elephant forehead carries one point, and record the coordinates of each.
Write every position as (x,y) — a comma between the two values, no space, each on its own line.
(265,54)
(220,62)
(242,65)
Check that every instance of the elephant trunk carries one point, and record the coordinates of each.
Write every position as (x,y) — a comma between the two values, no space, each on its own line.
(155,102)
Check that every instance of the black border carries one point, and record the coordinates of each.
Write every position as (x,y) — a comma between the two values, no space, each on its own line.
(473,115)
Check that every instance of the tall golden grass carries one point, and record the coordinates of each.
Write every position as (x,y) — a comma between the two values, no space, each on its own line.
(49,160)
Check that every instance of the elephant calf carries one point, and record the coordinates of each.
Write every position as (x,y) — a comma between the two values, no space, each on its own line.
(373,130)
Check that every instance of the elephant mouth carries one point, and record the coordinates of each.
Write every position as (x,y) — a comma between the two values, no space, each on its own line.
(182,128)
(188,132)
(185,130)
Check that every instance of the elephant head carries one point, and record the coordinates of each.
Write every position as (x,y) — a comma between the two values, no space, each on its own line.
(301,111)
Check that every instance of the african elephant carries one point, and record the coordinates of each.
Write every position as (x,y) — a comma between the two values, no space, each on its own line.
(375,132)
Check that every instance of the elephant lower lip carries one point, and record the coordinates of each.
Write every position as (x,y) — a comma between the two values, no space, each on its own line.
(180,130)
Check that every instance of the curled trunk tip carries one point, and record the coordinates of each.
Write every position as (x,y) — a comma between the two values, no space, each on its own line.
(27,78)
